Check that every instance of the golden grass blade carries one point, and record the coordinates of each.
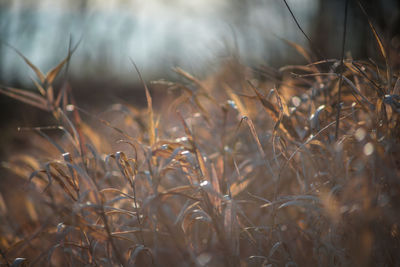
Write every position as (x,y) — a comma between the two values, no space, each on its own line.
(50,94)
(299,49)
(74,177)
(92,187)
(381,48)
(203,111)
(60,181)
(203,168)
(195,95)
(239,186)
(259,146)
(166,149)
(231,227)
(62,95)
(115,190)
(255,136)
(215,199)
(299,203)
(124,167)
(396,88)
(269,107)
(355,89)
(131,231)
(177,189)
(25,93)
(308,68)
(183,212)
(199,157)
(52,74)
(242,109)
(77,135)
(152,130)
(202,165)
(38,73)
(39,87)
(283,108)
(27,100)
(118,211)
(333,60)
(189,77)
(281,117)
(68,179)
(381,92)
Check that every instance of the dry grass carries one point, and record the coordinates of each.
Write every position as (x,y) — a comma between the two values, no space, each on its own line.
(240,169)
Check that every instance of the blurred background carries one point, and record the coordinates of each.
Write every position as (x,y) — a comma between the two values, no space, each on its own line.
(158,35)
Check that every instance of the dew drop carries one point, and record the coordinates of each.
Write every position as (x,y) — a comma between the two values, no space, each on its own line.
(70,107)
(204,183)
(185,152)
(296,101)
(368,149)
(232,104)
(165,146)
(360,134)
(181,139)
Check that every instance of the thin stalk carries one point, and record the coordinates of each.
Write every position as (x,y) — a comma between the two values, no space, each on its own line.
(341,71)
(316,50)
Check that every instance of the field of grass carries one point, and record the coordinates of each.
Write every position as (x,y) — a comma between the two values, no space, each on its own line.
(247,167)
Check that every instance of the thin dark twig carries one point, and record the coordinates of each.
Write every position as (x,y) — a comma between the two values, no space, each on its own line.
(316,50)
(341,70)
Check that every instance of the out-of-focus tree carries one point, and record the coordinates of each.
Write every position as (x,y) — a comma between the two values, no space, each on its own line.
(158,34)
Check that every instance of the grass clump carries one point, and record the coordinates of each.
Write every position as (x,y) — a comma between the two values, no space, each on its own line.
(243,168)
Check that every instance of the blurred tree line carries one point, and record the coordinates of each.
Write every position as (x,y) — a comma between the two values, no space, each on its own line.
(248,20)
